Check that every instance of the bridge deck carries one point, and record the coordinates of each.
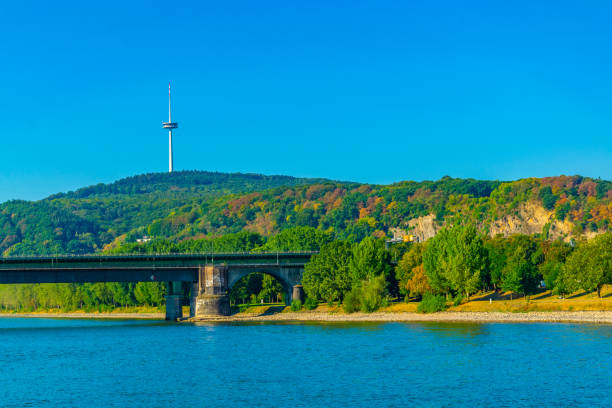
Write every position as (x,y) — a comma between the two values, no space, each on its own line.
(135,268)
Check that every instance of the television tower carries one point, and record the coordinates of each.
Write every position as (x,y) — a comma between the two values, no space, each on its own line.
(169,125)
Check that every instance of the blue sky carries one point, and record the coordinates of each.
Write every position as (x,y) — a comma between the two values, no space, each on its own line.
(376,91)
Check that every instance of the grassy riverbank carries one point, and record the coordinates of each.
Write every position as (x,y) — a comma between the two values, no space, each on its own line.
(132,312)
(489,306)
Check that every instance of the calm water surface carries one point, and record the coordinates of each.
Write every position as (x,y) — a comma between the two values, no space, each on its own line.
(85,363)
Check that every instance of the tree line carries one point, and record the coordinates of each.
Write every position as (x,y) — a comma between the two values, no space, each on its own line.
(105,296)
(457,263)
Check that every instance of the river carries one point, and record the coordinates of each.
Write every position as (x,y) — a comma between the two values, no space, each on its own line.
(85,363)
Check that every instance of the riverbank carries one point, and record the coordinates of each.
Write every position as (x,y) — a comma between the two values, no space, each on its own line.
(83,315)
(604,317)
(486,307)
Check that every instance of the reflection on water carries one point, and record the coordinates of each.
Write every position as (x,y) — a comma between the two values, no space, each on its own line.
(451,329)
(8,324)
(75,363)
(590,331)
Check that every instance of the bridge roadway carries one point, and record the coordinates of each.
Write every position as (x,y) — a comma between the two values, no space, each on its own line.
(210,276)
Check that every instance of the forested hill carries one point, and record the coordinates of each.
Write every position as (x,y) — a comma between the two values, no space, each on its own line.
(186,183)
(185,205)
(83,221)
(554,207)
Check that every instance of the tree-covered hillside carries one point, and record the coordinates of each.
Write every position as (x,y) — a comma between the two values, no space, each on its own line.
(85,220)
(554,207)
(185,205)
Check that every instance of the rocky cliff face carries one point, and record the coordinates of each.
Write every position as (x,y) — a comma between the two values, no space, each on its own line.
(422,228)
(530,218)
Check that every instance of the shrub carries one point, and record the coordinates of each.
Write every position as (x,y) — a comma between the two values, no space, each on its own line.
(373,294)
(431,303)
(458,299)
(352,301)
(310,304)
(296,306)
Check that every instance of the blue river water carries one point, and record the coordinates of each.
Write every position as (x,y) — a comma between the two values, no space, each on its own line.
(90,363)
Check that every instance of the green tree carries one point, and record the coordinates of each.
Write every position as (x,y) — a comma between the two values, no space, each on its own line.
(247,288)
(547,197)
(370,259)
(297,239)
(496,248)
(550,273)
(150,293)
(326,276)
(456,261)
(373,294)
(271,289)
(590,265)
(520,274)
(551,269)
(120,293)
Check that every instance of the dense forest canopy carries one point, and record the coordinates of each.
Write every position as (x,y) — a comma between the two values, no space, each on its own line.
(193,204)
(85,220)
(566,207)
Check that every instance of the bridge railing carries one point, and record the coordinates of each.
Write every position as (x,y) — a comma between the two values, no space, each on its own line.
(161,255)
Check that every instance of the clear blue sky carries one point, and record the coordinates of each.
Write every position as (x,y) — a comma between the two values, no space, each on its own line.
(376,91)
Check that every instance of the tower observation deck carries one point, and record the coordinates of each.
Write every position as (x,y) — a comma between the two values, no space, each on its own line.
(169,125)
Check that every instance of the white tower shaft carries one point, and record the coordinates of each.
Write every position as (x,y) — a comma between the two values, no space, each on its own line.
(170,131)
(170,153)
(169,125)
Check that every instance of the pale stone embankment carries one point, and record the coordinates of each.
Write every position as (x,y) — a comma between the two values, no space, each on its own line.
(578,317)
(581,317)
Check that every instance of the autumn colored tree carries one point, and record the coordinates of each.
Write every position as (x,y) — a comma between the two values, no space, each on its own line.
(297,239)
(418,284)
(404,270)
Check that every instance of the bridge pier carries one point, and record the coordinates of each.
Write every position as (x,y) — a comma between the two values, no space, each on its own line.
(298,293)
(212,299)
(193,297)
(174,301)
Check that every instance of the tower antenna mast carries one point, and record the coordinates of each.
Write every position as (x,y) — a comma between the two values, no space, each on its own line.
(169,125)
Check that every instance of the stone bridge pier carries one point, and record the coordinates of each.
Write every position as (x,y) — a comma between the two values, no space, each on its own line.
(213,287)
(174,300)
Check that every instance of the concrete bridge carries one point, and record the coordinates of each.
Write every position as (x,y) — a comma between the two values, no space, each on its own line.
(208,276)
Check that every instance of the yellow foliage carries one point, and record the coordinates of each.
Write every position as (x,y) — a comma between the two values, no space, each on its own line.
(260,204)
(370,221)
(363,212)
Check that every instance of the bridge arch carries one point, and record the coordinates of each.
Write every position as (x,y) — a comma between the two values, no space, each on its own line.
(287,277)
